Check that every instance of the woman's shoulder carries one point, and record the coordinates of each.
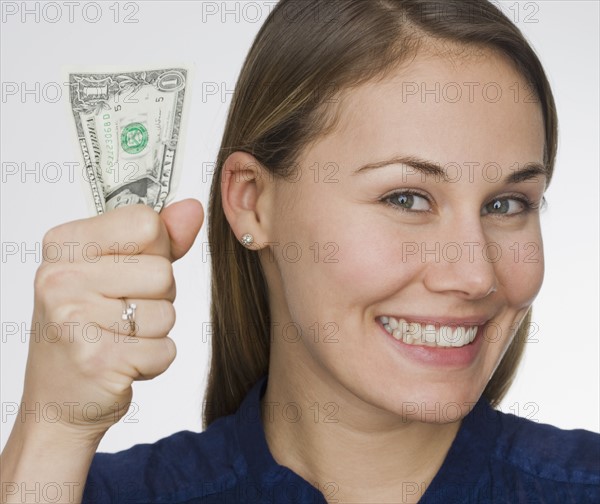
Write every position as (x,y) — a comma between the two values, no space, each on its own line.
(503,458)
(569,455)
(227,462)
(529,459)
(181,466)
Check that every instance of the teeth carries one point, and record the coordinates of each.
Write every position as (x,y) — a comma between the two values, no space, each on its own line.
(408,337)
(446,336)
(413,333)
(471,333)
(430,334)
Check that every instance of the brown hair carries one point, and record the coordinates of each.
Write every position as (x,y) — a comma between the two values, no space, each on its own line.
(281,104)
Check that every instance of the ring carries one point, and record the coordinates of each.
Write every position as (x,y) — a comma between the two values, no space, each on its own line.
(129,315)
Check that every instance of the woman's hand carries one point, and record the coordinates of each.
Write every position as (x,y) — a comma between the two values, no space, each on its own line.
(86,361)
(81,361)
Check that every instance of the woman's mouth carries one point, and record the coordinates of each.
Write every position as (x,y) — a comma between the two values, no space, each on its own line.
(454,343)
(429,334)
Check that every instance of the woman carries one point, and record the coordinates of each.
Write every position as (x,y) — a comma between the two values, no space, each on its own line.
(376,173)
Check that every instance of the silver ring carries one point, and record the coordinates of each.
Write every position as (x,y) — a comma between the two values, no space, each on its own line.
(128,314)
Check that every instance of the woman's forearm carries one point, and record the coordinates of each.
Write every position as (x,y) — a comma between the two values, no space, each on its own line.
(44,462)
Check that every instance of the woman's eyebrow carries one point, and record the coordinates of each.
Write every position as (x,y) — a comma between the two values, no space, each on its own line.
(528,171)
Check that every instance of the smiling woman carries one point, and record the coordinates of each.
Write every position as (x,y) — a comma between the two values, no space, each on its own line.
(376,249)
(390,209)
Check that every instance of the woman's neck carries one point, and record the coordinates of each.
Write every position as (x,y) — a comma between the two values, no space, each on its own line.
(349,450)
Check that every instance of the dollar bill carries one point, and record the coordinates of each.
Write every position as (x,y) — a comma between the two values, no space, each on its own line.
(128,128)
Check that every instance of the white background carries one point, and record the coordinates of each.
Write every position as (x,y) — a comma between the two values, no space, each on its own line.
(558,382)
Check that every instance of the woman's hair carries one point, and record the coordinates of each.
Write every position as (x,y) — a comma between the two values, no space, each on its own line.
(305,56)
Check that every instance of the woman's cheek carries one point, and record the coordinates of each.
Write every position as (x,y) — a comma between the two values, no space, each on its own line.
(370,260)
(521,268)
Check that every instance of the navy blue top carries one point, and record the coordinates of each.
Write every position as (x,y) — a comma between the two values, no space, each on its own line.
(496,457)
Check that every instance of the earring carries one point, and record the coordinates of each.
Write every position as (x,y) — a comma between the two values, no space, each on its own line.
(247,239)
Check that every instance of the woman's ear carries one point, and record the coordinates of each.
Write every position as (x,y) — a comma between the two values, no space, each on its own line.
(246,192)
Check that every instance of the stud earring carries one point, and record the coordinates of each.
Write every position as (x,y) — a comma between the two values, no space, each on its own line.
(247,239)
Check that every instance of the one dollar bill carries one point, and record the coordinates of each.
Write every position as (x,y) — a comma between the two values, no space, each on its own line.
(128,128)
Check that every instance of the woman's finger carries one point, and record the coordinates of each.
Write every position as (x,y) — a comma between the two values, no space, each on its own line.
(145,359)
(125,231)
(151,318)
(147,276)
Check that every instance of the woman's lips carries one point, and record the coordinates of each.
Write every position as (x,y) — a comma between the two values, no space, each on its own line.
(431,333)
(451,343)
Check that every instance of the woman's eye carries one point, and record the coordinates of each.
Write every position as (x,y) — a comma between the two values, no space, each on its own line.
(505,206)
(408,201)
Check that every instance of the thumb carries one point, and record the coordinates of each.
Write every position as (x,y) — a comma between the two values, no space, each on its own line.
(183,221)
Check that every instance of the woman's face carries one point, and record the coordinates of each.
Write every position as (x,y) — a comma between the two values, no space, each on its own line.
(440,256)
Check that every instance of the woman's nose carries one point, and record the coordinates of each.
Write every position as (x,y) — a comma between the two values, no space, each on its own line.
(462,261)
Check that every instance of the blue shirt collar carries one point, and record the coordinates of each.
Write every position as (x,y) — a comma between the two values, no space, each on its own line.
(251,434)
(464,462)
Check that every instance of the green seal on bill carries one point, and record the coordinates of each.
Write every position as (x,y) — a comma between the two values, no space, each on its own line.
(134,138)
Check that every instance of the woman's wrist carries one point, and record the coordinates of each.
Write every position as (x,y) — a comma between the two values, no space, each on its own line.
(42,460)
